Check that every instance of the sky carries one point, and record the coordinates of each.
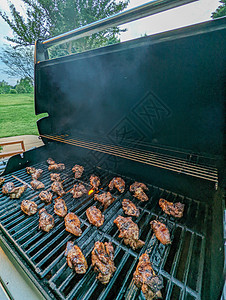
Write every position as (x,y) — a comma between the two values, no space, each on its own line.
(188,14)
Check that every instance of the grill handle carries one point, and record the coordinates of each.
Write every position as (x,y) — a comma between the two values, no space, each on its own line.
(130,15)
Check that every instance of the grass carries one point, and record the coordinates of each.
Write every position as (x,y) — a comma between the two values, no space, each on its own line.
(17,115)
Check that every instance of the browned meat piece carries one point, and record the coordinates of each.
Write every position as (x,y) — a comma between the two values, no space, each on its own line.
(57,188)
(75,258)
(37,185)
(103,261)
(46,196)
(145,278)
(2,180)
(56,167)
(29,207)
(78,170)
(105,199)
(55,177)
(50,161)
(129,231)
(30,170)
(37,174)
(94,181)
(161,232)
(60,207)
(78,190)
(174,209)
(95,216)
(17,192)
(118,183)
(138,189)
(46,221)
(72,224)
(130,208)
(8,187)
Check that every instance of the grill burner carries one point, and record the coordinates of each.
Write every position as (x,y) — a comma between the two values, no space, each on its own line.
(181,264)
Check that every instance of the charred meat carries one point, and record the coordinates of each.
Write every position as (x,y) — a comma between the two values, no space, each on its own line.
(103,261)
(105,199)
(29,207)
(37,174)
(46,196)
(129,231)
(94,181)
(46,221)
(95,216)
(60,207)
(145,278)
(30,170)
(174,209)
(17,192)
(75,258)
(57,188)
(2,180)
(78,190)
(138,189)
(50,161)
(37,185)
(117,183)
(78,170)
(72,224)
(8,188)
(56,167)
(161,232)
(129,208)
(55,177)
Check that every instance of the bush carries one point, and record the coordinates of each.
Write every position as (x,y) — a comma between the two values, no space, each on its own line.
(13,91)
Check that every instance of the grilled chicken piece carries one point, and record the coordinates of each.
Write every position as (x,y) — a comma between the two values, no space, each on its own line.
(103,261)
(18,191)
(161,232)
(94,181)
(72,224)
(29,207)
(129,208)
(75,258)
(46,196)
(55,177)
(60,207)
(118,183)
(138,188)
(2,180)
(50,161)
(57,188)
(8,188)
(78,170)
(95,216)
(37,185)
(56,167)
(174,209)
(105,199)
(37,174)
(46,221)
(78,190)
(145,278)
(129,231)
(30,170)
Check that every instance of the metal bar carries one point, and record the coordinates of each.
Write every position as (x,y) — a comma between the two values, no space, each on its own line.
(134,14)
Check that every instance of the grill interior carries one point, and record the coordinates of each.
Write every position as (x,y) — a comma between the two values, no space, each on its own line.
(181,264)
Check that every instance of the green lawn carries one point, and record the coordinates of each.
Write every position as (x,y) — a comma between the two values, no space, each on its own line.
(17,115)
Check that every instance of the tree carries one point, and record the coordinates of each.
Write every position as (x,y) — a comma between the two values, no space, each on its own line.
(24,85)
(48,18)
(4,87)
(220,11)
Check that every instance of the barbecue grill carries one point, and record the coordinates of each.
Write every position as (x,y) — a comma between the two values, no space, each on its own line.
(149,110)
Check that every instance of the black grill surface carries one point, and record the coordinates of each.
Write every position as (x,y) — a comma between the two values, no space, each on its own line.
(181,264)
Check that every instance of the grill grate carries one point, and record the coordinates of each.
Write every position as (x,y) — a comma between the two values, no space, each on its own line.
(181,264)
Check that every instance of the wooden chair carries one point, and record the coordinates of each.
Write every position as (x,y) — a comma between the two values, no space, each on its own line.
(11,153)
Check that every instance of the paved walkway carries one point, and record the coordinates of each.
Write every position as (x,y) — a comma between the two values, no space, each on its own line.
(30,141)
